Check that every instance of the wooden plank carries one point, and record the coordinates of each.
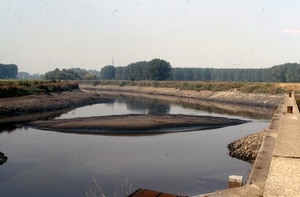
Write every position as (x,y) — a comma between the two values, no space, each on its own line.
(150,193)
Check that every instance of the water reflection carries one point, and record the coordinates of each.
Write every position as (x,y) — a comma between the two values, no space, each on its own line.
(3,158)
(230,109)
(144,103)
(181,163)
(7,127)
(147,105)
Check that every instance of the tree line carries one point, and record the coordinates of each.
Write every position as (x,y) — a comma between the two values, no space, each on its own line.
(155,69)
(158,69)
(72,74)
(288,72)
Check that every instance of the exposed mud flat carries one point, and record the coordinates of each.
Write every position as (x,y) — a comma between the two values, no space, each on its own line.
(134,124)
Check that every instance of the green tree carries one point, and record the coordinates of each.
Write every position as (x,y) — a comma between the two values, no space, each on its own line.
(8,71)
(96,73)
(188,74)
(64,74)
(121,73)
(293,73)
(138,71)
(177,74)
(24,75)
(84,74)
(159,69)
(278,73)
(206,74)
(108,72)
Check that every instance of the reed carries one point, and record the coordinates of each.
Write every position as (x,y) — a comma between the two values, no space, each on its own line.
(124,191)
(94,192)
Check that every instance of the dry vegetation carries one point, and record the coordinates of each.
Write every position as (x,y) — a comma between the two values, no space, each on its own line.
(248,87)
(21,88)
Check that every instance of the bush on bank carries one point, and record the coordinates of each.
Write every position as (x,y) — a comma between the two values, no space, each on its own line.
(21,88)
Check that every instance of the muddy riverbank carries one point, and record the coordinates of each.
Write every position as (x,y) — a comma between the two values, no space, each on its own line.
(25,108)
(232,97)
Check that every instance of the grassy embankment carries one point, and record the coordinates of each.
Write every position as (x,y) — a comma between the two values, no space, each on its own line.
(10,88)
(249,87)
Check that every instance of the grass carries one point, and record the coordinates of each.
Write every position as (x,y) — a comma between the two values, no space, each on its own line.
(124,191)
(11,88)
(93,192)
(248,87)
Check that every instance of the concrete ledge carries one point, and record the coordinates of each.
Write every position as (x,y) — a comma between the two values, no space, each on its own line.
(261,166)
(254,190)
(283,178)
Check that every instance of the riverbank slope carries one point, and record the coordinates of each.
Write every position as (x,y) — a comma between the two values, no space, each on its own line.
(31,107)
(231,96)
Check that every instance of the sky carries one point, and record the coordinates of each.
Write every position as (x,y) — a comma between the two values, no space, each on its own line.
(41,35)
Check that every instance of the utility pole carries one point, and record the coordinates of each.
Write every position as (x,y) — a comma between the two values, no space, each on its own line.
(113,61)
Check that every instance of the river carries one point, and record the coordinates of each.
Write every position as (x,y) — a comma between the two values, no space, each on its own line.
(48,163)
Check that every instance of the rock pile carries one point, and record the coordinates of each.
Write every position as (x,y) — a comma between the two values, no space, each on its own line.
(3,158)
(247,147)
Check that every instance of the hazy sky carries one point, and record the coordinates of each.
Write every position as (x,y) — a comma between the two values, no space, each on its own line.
(40,36)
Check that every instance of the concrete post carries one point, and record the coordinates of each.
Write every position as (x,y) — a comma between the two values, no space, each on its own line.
(289,109)
(235,181)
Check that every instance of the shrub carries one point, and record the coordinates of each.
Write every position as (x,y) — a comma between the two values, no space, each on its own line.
(20,88)
(123,83)
(155,84)
(96,83)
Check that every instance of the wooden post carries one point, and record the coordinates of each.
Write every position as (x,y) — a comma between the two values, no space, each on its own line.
(289,109)
(235,181)
(290,94)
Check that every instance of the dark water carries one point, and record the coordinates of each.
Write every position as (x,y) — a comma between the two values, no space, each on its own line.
(47,163)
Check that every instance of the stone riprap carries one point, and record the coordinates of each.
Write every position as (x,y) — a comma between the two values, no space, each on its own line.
(232,96)
(246,148)
(3,158)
